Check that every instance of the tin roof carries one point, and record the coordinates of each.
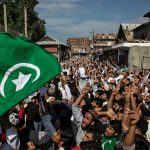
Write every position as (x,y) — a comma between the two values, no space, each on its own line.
(147,14)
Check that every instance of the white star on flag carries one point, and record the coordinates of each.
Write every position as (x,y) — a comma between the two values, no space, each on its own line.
(21,81)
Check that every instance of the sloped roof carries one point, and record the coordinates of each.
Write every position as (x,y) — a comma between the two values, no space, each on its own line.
(142,26)
(129,26)
(147,14)
(13,32)
(46,40)
(127,29)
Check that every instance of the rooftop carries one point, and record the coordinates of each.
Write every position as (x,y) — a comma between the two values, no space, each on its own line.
(147,14)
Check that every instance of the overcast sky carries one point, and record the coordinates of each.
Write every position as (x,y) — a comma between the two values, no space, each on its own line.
(77,18)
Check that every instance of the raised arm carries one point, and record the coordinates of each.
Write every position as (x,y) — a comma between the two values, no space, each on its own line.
(134,116)
(125,120)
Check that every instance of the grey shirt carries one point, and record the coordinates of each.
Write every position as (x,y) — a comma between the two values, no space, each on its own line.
(78,117)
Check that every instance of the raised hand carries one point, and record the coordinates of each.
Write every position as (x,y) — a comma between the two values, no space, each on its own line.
(127,94)
(111,114)
(134,115)
(86,89)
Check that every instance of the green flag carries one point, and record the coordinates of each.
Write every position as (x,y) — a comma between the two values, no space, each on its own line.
(24,68)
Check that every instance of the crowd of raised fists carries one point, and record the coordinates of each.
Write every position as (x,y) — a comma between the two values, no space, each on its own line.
(91,105)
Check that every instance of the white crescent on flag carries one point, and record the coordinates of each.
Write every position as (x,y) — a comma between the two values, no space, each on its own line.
(13,68)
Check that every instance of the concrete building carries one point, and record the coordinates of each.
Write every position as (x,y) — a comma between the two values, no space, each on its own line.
(102,40)
(78,46)
(59,49)
(132,45)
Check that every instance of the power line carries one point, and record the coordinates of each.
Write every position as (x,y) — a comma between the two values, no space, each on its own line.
(61,33)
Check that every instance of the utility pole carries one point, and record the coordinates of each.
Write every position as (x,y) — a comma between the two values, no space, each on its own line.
(5,15)
(25,21)
(93,38)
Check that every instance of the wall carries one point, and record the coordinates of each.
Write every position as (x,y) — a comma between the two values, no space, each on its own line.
(139,57)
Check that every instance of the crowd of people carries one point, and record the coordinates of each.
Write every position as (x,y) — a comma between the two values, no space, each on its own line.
(91,105)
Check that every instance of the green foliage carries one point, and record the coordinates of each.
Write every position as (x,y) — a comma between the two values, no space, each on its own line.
(15,16)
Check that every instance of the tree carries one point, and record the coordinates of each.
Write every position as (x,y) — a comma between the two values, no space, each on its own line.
(15,16)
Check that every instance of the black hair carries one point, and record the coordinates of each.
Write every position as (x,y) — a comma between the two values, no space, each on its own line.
(93,114)
(141,143)
(142,125)
(88,101)
(44,146)
(98,101)
(100,92)
(104,108)
(67,137)
(65,73)
(116,125)
(145,111)
(120,102)
(90,145)
(128,79)
(34,97)
(66,134)
(32,112)
(122,89)
(96,134)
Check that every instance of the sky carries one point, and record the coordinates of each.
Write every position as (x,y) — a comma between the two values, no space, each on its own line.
(79,18)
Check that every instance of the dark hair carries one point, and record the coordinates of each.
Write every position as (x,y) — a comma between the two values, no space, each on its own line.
(104,108)
(120,102)
(145,111)
(141,143)
(96,134)
(34,97)
(122,89)
(142,125)
(32,112)
(44,146)
(100,92)
(90,145)
(67,137)
(98,101)
(93,114)
(66,134)
(116,125)
(65,73)
(88,101)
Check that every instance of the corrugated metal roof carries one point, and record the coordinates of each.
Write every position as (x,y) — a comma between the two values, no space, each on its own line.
(147,14)
(128,30)
(129,26)
(142,25)
(50,41)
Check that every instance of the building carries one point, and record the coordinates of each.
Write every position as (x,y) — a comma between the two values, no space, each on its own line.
(59,49)
(132,45)
(102,41)
(119,51)
(79,46)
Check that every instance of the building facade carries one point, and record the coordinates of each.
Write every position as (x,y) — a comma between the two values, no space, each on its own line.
(102,41)
(133,42)
(78,46)
(57,48)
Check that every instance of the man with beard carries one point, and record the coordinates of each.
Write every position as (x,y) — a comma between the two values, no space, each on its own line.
(82,120)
